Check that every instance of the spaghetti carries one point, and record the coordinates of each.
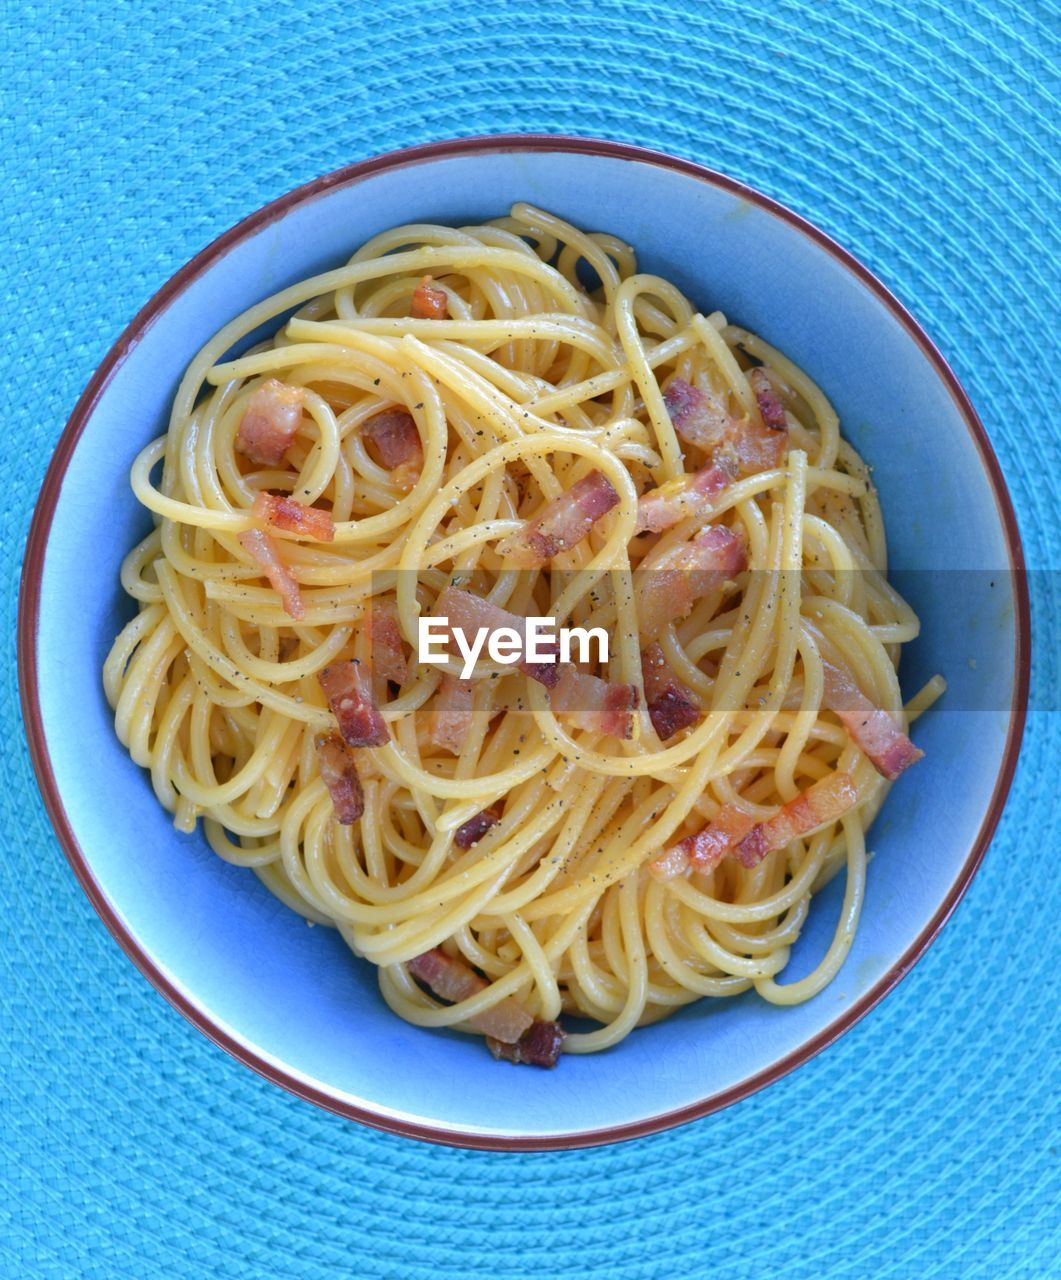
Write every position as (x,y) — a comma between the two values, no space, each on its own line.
(487,424)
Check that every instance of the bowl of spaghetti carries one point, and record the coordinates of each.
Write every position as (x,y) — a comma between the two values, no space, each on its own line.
(553,651)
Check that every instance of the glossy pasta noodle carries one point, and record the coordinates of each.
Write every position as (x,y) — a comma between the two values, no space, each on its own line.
(612,869)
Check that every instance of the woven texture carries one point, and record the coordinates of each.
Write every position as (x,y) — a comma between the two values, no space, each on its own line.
(923,136)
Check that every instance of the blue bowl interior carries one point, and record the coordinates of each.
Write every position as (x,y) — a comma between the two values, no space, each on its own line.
(293,994)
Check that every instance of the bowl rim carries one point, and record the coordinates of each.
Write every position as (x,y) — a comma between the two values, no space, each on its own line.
(30,603)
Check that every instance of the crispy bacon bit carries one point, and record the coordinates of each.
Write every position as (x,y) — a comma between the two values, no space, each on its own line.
(595,705)
(769,402)
(538,1047)
(689,495)
(291,516)
(671,704)
(708,847)
(338,771)
(470,613)
(696,416)
(449,979)
(735,832)
(670,583)
(451,713)
(758,444)
(263,551)
(385,640)
(348,688)
(429,302)
(561,524)
(824,802)
(670,863)
(454,980)
(394,436)
(754,448)
(705,849)
(716,554)
(270,422)
(871,729)
(672,711)
(394,442)
(745,446)
(472,831)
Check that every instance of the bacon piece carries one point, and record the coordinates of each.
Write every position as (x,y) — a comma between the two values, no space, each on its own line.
(385,640)
(451,713)
(291,516)
(394,442)
(394,436)
(748,446)
(715,555)
(769,402)
(826,801)
(469,613)
(670,863)
(561,524)
(751,448)
(449,979)
(735,832)
(696,416)
(755,444)
(705,849)
(669,584)
(507,1021)
(538,1047)
(871,729)
(472,831)
(689,495)
(348,688)
(672,711)
(429,302)
(338,771)
(454,980)
(671,704)
(270,422)
(594,704)
(263,551)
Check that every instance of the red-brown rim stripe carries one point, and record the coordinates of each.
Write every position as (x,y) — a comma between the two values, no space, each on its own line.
(29,612)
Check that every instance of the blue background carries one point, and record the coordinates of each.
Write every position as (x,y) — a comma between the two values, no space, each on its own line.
(924,137)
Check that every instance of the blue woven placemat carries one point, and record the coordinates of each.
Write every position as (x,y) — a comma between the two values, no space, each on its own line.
(925,137)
